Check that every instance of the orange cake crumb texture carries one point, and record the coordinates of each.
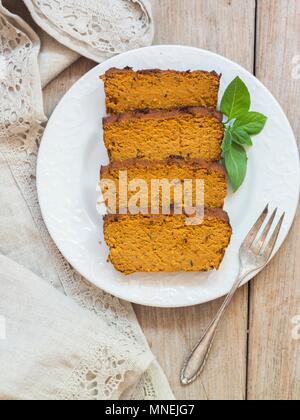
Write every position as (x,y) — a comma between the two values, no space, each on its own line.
(175,172)
(184,135)
(166,243)
(127,90)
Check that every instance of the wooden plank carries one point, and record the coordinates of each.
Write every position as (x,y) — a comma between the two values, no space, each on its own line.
(56,89)
(274,356)
(205,24)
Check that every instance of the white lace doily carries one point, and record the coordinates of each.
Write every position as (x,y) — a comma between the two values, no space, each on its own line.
(96,29)
(21,127)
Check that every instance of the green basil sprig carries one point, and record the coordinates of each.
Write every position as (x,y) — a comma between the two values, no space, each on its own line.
(240,126)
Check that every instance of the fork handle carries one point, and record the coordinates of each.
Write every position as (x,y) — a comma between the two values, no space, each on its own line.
(196,362)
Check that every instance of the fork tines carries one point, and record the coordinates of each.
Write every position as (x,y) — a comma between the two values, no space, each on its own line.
(262,246)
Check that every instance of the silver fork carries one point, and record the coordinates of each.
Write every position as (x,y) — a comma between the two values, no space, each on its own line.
(254,255)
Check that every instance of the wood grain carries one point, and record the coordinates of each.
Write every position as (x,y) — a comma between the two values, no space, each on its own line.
(274,357)
(205,24)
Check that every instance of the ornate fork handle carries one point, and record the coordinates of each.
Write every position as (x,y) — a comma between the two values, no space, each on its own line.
(254,255)
(196,362)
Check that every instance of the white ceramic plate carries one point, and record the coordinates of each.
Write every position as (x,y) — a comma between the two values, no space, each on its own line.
(72,151)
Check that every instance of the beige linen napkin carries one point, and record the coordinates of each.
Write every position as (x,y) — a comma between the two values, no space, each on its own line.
(29,257)
(62,351)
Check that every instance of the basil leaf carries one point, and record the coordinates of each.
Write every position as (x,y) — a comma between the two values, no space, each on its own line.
(252,122)
(227,142)
(236,100)
(241,137)
(236,165)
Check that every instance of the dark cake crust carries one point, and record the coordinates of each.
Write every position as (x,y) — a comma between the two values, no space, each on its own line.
(210,213)
(140,163)
(156,71)
(152,114)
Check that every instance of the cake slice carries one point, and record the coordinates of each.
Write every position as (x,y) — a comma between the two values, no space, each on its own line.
(190,133)
(175,172)
(166,243)
(127,90)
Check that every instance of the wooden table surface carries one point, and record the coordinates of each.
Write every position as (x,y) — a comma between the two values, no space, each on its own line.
(255,355)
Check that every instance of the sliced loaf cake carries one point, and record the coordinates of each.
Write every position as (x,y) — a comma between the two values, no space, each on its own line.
(127,90)
(160,243)
(175,172)
(190,133)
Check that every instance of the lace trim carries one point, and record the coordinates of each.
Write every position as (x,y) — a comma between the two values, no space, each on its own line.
(101,373)
(96,29)
(98,376)
(21,128)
